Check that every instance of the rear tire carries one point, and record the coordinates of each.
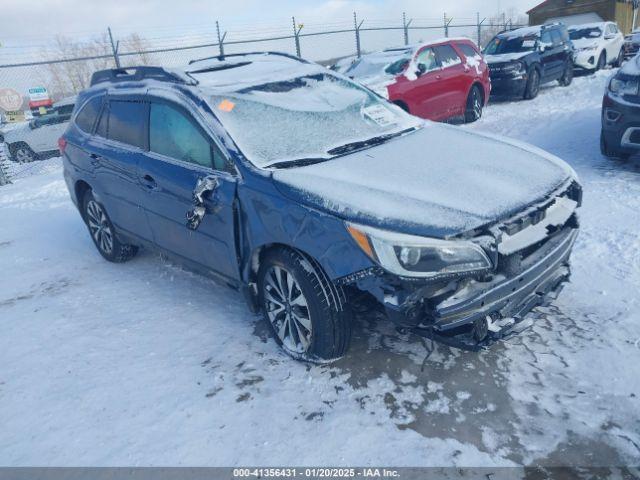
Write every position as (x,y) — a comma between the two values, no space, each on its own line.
(474,105)
(533,84)
(610,151)
(567,75)
(103,233)
(306,313)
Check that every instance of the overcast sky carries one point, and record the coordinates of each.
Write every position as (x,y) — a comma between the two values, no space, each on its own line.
(31,19)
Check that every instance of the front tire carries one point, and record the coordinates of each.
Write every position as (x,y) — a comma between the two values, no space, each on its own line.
(619,59)
(474,105)
(103,233)
(602,61)
(305,311)
(533,84)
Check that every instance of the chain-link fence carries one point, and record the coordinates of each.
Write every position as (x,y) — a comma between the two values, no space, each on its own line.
(63,65)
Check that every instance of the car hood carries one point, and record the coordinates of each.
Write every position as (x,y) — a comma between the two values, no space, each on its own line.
(504,57)
(585,43)
(438,181)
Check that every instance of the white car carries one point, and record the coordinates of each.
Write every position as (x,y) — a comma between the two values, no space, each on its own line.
(597,45)
(38,139)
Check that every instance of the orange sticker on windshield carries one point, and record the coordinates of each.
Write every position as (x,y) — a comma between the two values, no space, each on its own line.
(226,105)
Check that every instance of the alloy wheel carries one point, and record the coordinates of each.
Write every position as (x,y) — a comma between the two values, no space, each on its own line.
(23,155)
(99,227)
(287,309)
(477,104)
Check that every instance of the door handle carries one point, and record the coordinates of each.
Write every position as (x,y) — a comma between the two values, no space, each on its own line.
(149,182)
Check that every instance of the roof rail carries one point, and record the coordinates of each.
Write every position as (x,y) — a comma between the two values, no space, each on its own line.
(129,74)
(222,58)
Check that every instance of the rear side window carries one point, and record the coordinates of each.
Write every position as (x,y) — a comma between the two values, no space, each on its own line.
(468,50)
(126,122)
(86,118)
(174,135)
(447,56)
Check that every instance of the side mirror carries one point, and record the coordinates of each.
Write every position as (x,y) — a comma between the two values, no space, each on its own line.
(422,68)
(542,47)
(196,214)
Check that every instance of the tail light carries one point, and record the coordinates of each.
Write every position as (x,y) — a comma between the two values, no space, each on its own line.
(62,144)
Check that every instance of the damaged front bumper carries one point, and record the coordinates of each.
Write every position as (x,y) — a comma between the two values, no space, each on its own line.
(491,310)
(473,311)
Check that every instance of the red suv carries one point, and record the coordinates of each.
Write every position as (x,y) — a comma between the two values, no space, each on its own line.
(436,80)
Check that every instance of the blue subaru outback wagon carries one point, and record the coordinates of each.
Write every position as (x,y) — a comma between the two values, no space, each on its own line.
(305,190)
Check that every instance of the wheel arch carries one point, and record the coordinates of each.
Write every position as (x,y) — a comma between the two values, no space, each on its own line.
(402,104)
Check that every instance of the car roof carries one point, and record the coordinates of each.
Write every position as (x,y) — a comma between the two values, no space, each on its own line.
(236,72)
(588,25)
(215,74)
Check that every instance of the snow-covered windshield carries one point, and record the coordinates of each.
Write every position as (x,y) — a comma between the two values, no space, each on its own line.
(391,62)
(578,34)
(500,45)
(308,117)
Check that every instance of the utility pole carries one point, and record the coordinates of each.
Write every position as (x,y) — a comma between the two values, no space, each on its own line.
(114,48)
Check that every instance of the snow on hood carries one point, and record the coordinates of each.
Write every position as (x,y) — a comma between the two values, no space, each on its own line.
(505,57)
(438,181)
(632,67)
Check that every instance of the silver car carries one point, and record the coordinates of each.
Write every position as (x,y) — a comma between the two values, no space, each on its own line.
(38,139)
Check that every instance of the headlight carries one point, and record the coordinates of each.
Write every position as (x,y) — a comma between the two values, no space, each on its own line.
(412,256)
(585,49)
(624,85)
(514,67)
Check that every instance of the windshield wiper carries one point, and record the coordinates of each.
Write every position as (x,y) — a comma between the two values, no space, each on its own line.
(298,162)
(353,146)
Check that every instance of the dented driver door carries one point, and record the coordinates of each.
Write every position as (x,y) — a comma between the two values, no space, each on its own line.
(181,157)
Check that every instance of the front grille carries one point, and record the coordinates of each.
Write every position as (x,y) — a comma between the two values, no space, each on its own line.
(510,259)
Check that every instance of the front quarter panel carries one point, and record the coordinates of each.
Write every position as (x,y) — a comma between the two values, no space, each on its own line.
(271,218)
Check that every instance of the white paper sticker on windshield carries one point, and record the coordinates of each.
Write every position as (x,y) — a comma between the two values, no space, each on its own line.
(529,43)
(379,114)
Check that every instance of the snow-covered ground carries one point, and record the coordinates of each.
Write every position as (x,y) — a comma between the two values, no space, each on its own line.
(146,364)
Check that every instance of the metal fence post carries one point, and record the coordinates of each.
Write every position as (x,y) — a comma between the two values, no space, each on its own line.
(357,26)
(4,175)
(114,48)
(405,27)
(479,22)
(220,40)
(446,25)
(296,35)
